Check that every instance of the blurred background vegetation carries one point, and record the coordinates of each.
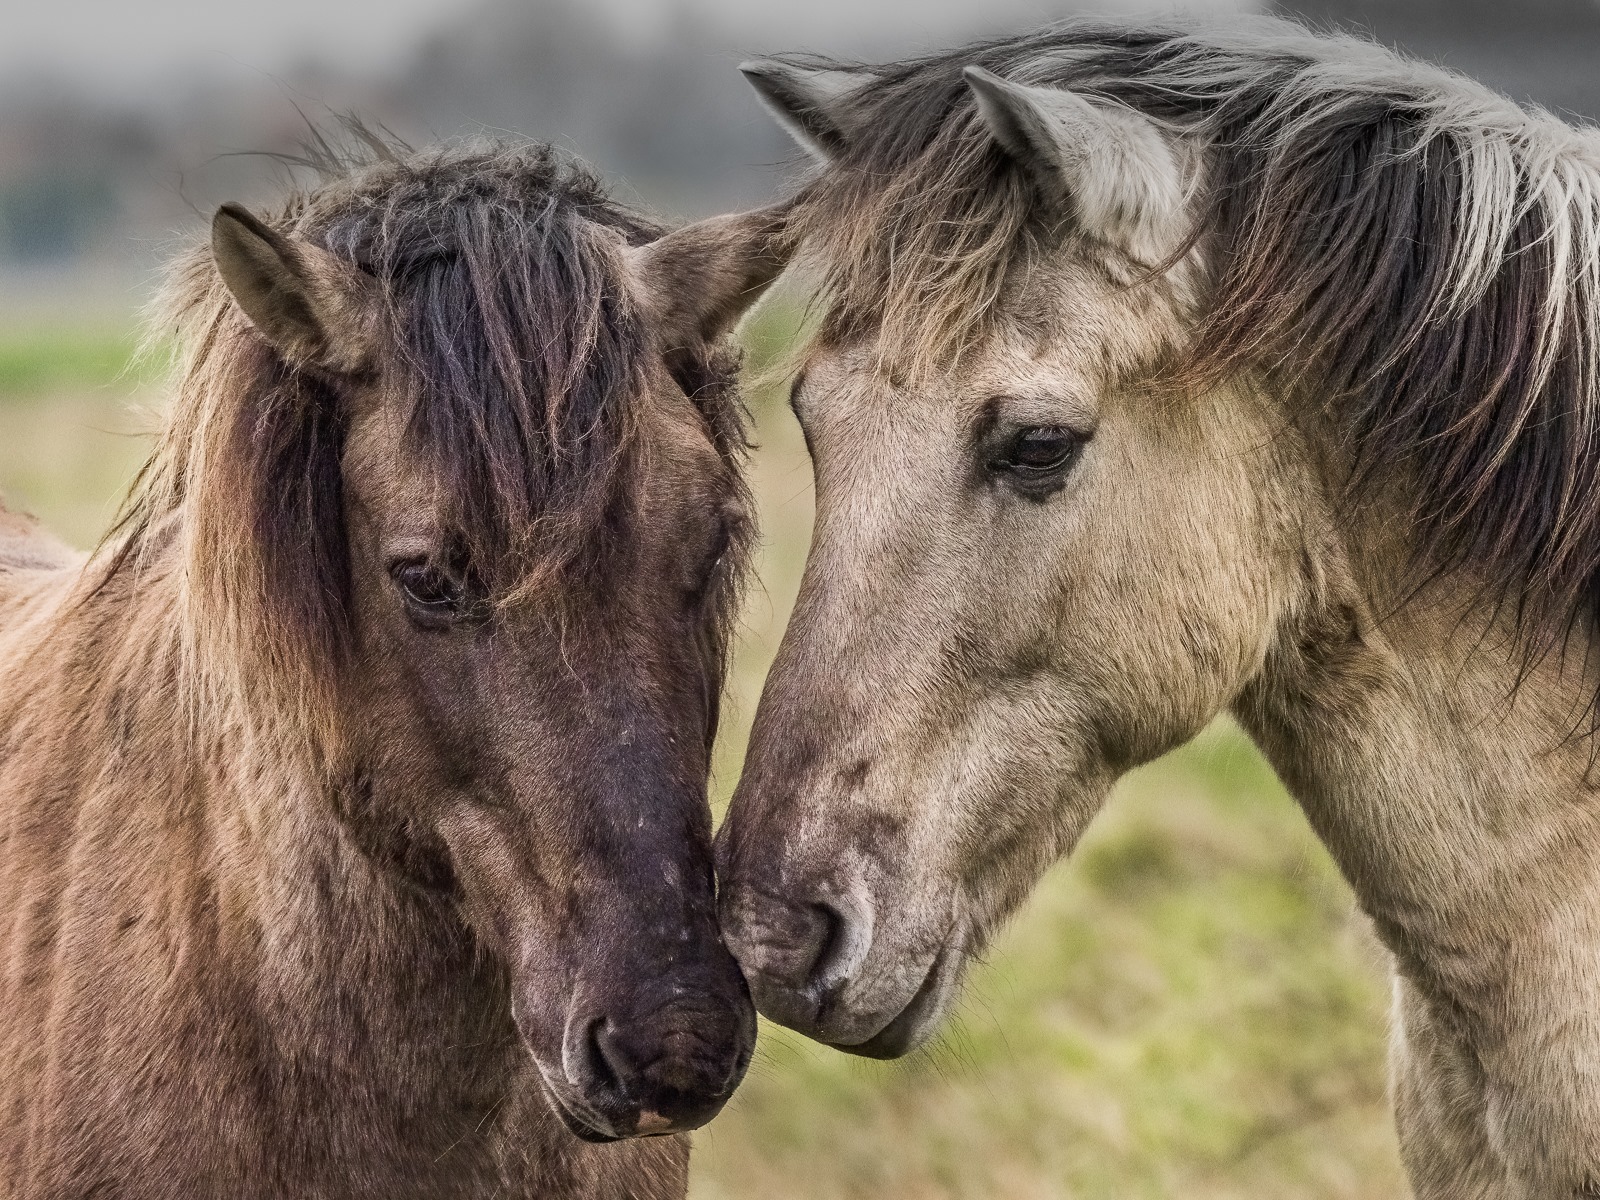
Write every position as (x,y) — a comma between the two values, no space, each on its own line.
(1191,1007)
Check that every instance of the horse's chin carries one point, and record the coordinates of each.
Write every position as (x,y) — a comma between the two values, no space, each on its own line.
(588,1126)
(579,1127)
(916,1022)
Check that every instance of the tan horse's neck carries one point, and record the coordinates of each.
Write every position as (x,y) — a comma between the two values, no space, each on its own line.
(1464,814)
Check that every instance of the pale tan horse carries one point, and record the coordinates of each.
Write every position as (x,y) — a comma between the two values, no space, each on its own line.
(353,831)
(1169,372)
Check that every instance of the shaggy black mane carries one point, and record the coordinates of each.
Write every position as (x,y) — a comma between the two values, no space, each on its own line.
(511,339)
(510,321)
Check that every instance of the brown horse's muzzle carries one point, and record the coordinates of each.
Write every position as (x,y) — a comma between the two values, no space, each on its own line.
(623,991)
(663,1059)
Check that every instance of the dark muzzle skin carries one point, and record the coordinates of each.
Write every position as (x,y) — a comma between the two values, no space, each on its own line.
(788,950)
(797,934)
(658,1058)
(654,1028)
(622,988)
(799,959)
(802,926)
(844,931)
(660,1028)
(801,950)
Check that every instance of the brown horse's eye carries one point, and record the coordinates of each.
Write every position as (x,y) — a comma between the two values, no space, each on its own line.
(433,595)
(716,553)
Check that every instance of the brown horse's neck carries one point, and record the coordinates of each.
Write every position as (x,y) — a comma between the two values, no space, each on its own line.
(229,842)
(196,939)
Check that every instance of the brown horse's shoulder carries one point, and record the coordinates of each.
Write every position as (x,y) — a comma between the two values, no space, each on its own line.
(25,544)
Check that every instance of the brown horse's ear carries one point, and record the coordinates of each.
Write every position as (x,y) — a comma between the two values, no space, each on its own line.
(311,306)
(699,280)
(805,101)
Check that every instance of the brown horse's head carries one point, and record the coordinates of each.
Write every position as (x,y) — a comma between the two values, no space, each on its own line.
(462,525)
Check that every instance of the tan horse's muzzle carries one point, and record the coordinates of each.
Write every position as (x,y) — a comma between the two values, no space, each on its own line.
(818,962)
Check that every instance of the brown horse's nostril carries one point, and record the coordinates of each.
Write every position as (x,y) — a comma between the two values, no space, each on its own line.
(664,1073)
(607,1065)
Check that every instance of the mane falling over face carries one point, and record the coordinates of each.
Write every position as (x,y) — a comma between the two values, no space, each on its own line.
(1409,249)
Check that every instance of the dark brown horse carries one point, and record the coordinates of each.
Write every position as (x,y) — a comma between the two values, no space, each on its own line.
(353,834)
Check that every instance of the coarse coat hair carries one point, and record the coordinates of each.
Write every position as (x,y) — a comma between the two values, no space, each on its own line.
(353,833)
(1173,370)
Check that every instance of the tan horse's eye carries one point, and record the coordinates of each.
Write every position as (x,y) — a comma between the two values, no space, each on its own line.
(1036,451)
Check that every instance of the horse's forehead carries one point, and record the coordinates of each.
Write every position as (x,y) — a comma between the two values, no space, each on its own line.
(1079,297)
(384,471)
(678,461)
(1063,324)
(1069,352)
(1073,326)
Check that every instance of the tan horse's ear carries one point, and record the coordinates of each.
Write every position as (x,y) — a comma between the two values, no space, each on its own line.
(805,102)
(312,307)
(1111,166)
(699,280)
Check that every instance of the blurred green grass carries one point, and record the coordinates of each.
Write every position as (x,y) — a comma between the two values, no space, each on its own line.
(75,418)
(51,358)
(1189,1008)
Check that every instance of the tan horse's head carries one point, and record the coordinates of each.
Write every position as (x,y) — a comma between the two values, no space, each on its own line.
(456,482)
(1034,566)
(1161,366)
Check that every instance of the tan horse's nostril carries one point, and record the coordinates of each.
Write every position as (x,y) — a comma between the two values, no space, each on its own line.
(846,940)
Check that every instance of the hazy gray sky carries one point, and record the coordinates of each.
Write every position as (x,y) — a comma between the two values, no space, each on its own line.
(119,46)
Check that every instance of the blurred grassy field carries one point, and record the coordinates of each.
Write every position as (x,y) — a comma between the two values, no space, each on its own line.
(1190,1008)
(76,409)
